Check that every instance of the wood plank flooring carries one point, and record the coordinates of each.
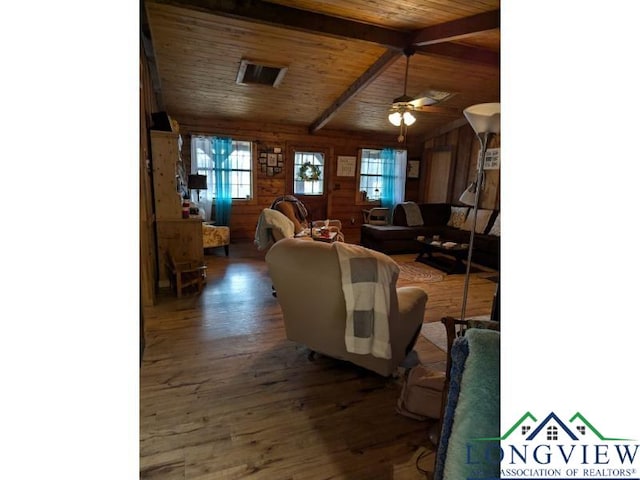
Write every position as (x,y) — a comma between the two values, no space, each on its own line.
(224,394)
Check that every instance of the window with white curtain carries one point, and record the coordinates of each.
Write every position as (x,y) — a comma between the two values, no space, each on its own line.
(241,167)
(371,171)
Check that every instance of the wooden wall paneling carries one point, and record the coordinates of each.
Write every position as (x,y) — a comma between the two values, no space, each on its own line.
(490,193)
(464,176)
(339,201)
(412,185)
(148,260)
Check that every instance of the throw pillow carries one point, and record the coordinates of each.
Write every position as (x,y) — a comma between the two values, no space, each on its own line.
(481,224)
(458,215)
(412,213)
(495,229)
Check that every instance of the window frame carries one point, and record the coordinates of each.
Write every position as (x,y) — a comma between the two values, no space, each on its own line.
(327,152)
(253,200)
(358,198)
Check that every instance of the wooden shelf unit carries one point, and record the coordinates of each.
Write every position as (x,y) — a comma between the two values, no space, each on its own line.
(182,237)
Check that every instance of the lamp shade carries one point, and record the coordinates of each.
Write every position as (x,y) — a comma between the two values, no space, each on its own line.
(197,182)
(484,117)
(468,197)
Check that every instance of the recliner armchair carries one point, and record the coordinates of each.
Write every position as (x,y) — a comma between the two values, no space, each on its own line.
(307,277)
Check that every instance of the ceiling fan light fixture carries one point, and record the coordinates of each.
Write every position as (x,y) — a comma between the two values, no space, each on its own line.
(409,118)
(395,117)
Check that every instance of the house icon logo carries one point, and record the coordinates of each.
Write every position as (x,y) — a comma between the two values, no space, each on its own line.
(557,447)
(554,428)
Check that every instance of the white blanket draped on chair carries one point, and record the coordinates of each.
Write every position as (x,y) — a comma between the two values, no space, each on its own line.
(366,279)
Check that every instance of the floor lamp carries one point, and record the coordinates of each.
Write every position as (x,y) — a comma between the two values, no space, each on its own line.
(484,118)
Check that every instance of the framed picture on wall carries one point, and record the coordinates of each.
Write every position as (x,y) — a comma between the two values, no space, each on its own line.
(346,166)
(491,160)
(413,169)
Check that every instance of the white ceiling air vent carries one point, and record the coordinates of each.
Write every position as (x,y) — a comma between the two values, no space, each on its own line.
(256,73)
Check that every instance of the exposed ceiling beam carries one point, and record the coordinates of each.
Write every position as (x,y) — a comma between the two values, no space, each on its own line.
(456,29)
(296,19)
(361,82)
(302,20)
(462,52)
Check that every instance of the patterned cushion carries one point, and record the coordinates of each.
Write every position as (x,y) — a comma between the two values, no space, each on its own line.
(481,224)
(214,236)
(458,215)
(495,229)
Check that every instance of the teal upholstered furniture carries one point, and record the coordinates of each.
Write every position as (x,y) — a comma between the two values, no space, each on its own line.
(471,419)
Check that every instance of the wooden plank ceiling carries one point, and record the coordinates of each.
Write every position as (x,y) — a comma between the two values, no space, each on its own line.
(345,59)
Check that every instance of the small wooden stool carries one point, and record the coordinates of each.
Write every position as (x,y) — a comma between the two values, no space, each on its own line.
(186,274)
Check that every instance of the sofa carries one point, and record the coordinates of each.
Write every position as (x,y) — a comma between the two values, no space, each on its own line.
(310,278)
(450,222)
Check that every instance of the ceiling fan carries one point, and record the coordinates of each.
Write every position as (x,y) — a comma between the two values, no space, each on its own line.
(401,111)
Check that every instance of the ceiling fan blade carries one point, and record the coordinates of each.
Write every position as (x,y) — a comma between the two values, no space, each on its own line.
(422,101)
(454,112)
(431,97)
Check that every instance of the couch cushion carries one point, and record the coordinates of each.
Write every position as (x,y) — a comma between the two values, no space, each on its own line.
(481,224)
(458,217)
(435,214)
(412,214)
(392,232)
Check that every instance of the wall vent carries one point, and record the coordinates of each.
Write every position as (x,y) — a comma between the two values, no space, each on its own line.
(256,73)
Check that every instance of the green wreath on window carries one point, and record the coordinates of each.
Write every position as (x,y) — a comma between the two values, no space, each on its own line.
(309,172)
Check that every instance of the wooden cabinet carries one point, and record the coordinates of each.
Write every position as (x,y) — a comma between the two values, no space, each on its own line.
(166,161)
(182,237)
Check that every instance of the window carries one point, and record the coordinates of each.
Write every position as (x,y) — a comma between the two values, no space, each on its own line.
(308,173)
(371,169)
(552,433)
(241,163)
(370,173)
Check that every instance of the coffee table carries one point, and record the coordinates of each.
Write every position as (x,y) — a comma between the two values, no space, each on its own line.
(458,251)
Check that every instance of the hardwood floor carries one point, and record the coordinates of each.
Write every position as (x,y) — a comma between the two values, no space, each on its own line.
(224,394)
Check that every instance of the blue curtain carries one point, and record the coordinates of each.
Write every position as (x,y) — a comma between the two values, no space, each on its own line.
(221,153)
(394,174)
(388,171)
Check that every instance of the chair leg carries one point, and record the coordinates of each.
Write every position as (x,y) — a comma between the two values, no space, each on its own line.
(179,284)
(226,250)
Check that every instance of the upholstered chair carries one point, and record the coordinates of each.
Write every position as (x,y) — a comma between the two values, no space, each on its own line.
(376,216)
(308,279)
(215,236)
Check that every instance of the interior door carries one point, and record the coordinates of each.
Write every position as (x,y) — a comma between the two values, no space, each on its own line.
(317,205)
(439,176)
